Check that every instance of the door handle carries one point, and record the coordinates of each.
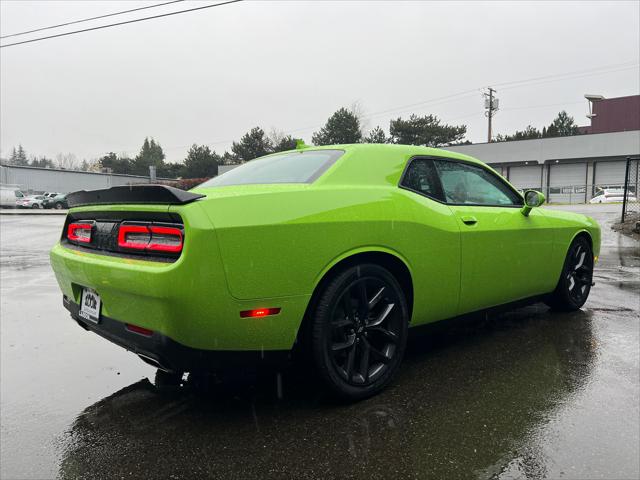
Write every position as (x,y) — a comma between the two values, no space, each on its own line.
(469,220)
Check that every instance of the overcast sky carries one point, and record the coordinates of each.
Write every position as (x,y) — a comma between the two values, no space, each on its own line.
(209,76)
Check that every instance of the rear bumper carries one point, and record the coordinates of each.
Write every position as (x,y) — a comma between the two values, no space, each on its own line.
(187,300)
(163,352)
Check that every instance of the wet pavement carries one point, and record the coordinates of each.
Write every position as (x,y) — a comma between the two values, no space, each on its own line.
(525,394)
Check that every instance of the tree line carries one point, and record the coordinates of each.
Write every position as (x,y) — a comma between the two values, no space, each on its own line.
(342,127)
(562,126)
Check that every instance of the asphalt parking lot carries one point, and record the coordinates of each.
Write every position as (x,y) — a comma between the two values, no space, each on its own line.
(525,394)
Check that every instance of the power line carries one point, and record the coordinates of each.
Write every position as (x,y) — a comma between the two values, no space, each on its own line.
(466,93)
(121,23)
(91,18)
(532,107)
(574,74)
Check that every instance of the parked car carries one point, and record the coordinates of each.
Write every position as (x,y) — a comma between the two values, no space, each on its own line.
(334,251)
(30,201)
(59,201)
(50,194)
(612,196)
(9,194)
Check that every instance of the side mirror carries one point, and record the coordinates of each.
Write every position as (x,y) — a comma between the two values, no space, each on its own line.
(532,198)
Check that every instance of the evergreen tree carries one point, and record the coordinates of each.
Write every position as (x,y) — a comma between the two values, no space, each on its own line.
(18,157)
(376,135)
(281,142)
(150,154)
(171,170)
(227,159)
(426,130)
(116,164)
(253,144)
(528,133)
(42,162)
(201,162)
(341,127)
(562,126)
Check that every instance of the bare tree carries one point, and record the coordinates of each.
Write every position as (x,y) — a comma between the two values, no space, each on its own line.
(358,110)
(67,161)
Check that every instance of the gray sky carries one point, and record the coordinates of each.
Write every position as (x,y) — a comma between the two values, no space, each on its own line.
(209,76)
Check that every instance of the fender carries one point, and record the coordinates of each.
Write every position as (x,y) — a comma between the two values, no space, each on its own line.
(356,251)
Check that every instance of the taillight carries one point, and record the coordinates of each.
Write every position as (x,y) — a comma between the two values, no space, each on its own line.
(152,238)
(79,232)
(134,236)
(165,239)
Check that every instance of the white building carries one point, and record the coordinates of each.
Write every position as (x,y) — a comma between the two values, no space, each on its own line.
(566,169)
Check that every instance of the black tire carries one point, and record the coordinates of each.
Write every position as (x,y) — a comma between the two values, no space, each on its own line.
(359,330)
(35,205)
(58,206)
(576,278)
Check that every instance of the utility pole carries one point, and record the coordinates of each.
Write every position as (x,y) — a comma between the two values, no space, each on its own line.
(491,104)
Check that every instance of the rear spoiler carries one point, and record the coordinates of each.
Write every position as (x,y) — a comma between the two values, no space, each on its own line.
(134,194)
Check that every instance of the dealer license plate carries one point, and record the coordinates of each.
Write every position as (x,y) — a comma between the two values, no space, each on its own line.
(90,305)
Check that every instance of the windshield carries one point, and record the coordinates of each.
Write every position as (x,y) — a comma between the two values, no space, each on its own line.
(290,167)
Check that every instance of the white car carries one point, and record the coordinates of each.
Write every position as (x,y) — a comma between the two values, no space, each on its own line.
(612,196)
(32,201)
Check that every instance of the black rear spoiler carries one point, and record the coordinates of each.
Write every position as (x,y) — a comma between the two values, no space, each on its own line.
(134,194)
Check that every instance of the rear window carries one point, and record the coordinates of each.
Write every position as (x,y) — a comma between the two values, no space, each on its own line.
(290,167)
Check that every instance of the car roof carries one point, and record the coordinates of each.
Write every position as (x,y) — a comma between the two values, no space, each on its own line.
(372,163)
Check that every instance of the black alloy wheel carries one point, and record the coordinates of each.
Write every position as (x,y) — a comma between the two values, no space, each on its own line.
(576,278)
(360,331)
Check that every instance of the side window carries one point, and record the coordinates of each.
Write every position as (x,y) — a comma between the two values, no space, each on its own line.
(421,177)
(467,184)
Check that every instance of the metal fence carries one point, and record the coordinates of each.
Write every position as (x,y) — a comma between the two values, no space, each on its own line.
(631,202)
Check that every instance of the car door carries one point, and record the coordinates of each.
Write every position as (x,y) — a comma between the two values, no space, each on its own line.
(504,254)
(434,244)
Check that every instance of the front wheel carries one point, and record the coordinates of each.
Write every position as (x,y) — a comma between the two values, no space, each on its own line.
(58,206)
(576,278)
(359,331)
(35,205)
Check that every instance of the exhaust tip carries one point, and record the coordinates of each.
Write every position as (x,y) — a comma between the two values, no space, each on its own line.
(154,362)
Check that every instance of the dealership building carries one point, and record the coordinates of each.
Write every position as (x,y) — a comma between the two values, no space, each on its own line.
(570,169)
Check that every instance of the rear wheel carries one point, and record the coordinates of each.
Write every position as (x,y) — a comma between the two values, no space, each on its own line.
(58,206)
(576,277)
(359,331)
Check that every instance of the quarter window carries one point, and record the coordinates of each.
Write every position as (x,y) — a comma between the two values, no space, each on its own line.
(465,184)
(421,177)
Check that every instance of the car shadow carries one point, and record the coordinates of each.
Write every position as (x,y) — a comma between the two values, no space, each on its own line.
(468,397)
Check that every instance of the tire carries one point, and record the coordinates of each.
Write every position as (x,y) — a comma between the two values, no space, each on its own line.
(58,206)
(35,205)
(359,330)
(576,278)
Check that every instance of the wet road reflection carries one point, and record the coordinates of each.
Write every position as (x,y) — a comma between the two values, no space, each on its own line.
(525,394)
(468,398)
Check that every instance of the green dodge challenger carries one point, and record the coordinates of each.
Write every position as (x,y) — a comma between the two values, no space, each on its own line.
(335,250)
